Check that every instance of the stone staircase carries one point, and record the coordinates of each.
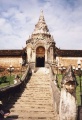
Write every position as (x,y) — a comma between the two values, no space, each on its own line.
(36,102)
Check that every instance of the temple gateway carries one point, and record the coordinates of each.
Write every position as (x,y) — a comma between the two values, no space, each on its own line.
(40,49)
(40,46)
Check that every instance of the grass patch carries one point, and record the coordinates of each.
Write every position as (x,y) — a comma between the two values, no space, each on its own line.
(10,80)
(78,92)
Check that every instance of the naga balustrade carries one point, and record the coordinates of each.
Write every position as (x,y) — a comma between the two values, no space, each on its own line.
(8,92)
(55,89)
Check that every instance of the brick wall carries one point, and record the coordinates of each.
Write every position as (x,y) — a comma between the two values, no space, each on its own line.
(66,61)
(5,62)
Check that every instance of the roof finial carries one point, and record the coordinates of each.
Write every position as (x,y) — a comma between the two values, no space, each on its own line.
(41,13)
(41,18)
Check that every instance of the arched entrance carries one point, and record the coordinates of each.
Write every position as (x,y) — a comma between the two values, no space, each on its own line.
(40,56)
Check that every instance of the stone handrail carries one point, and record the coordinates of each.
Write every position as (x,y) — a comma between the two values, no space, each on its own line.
(55,90)
(7,92)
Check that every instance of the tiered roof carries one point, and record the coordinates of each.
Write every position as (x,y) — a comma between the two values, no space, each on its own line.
(13,53)
(68,53)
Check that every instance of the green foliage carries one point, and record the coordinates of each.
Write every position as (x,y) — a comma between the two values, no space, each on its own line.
(3,79)
(78,91)
(6,80)
(59,76)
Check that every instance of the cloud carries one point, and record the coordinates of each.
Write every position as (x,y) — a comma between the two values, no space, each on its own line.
(18,19)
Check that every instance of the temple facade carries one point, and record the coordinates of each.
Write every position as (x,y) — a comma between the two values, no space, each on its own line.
(40,49)
(40,46)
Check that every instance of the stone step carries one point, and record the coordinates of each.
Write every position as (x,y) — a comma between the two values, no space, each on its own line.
(37,118)
(34,101)
(31,92)
(35,93)
(22,109)
(34,96)
(34,106)
(26,114)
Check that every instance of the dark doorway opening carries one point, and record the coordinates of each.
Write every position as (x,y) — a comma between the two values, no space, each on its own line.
(40,61)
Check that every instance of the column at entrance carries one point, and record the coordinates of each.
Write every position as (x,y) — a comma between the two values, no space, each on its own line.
(51,54)
(33,55)
(46,55)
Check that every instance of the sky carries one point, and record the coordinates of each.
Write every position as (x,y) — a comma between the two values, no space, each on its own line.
(18,19)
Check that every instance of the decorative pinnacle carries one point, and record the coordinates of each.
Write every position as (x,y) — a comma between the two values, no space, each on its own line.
(41,18)
(41,14)
(41,26)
